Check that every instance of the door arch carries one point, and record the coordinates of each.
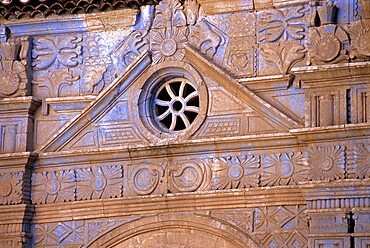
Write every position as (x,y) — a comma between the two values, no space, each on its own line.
(174,231)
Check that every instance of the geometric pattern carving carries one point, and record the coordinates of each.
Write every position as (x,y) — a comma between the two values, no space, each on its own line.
(239,217)
(327,163)
(221,126)
(119,135)
(286,217)
(59,233)
(55,186)
(281,226)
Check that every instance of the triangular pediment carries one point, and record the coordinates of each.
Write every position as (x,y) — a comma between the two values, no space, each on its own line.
(111,120)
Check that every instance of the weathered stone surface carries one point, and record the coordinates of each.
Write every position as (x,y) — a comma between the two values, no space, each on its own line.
(197,123)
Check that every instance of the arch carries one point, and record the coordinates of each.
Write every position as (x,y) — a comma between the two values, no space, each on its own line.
(175,222)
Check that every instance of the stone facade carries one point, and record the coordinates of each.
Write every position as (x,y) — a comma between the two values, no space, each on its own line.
(200,123)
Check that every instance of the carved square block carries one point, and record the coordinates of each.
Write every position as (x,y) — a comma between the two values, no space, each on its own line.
(362,242)
(279,58)
(145,179)
(328,223)
(240,57)
(332,243)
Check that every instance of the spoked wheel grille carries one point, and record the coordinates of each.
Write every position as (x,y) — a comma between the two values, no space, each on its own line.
(176,105)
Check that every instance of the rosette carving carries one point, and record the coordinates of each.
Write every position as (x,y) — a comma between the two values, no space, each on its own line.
(360,37)
(327,163)
(11,188)
(328,45)
(236,172)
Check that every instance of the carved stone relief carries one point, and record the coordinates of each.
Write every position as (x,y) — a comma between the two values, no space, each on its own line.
(235,172)
(328,44)
(360,35)
(108,138)
(327,163)
(14,67)
(99,182)
(11,188)
(53,186)
(281,226)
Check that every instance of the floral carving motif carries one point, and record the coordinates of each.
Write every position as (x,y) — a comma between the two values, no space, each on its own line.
(284,169)
(360,36)
(362,161)
(53,82)
(169,32)
(282,24)
(235,172)
(99,182)
(145,179)
(327,163)
(11,188)
(48,187)
(240,56)
(63,50)
(328,44)
(168,44)
(189,176)
(282,56)
(169,13)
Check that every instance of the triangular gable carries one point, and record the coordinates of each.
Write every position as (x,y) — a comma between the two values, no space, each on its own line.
(238,90)
(110,108)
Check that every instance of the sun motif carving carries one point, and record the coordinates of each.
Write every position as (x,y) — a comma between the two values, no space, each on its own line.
(97,183)
(176,105)
(168,44)
(284,169)
(53,186)
(362,160)
(326,163)
(235,172)
(12,75)
(10,188)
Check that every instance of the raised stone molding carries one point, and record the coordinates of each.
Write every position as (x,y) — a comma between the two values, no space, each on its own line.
(189,123)
(16,122)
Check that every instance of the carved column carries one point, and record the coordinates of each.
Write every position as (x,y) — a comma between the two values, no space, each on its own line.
(16,141)
(343,100)
(15,209)
(338,216)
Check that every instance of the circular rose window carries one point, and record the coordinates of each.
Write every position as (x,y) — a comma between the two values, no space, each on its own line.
(172,101)
(175,105)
